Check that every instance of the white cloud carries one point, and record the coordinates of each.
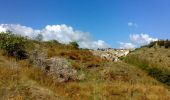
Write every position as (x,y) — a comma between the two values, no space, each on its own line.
(141,39)
(18,29)
(62,33)
(2,29)
(137,40)
(131,24)
(124,45)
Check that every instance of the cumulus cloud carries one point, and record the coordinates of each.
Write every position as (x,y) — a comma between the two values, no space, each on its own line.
(141,38)
(61,33)
(137,40)
(2,29)
(18,29)
(124,45)
(131,24)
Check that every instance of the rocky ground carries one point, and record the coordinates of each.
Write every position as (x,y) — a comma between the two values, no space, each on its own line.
(110,54)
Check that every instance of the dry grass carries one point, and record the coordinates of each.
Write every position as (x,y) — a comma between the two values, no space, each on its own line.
(122,90)
(157,57)
(155,61)
(15,83)
(102,80)
(79,58)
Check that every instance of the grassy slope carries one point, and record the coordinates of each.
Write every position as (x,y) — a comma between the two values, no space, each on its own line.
(101,79)
(155,61)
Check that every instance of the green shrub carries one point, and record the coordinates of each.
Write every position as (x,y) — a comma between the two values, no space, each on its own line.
(122,58)
(74,45)
(13,45)
(160,75)
(53,42)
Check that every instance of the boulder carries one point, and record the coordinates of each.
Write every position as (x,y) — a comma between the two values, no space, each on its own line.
(60,69)
(56,67)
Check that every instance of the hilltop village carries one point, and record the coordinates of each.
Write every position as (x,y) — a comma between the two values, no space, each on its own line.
(110,53)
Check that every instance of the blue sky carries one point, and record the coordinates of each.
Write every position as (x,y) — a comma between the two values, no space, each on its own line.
(104,19)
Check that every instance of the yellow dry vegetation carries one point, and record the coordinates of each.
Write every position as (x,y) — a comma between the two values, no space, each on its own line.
(100,80)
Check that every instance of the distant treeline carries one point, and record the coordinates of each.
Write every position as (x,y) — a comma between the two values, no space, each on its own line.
(160,43)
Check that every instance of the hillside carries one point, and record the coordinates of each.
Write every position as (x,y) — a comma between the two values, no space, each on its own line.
(38,70)
(154,59)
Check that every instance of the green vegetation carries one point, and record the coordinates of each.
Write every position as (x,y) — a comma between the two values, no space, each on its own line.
(74,45)
(13,45)
(160,75)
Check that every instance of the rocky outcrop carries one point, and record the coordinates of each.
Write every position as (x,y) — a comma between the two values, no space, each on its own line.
(60,69)
(110,54)
(57,68)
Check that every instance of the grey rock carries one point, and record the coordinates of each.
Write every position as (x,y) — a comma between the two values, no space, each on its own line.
(57,68)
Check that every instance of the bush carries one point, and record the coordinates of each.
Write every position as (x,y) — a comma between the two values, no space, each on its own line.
(160,75)
(52,43)
(13,45)
(74,45)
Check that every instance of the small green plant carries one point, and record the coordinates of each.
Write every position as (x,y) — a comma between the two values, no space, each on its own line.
(13,45)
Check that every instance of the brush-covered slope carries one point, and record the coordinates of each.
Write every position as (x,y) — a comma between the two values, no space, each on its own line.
(155,60)
(96,79)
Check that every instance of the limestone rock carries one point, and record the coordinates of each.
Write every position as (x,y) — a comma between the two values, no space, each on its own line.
(110,54)
(57,68)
